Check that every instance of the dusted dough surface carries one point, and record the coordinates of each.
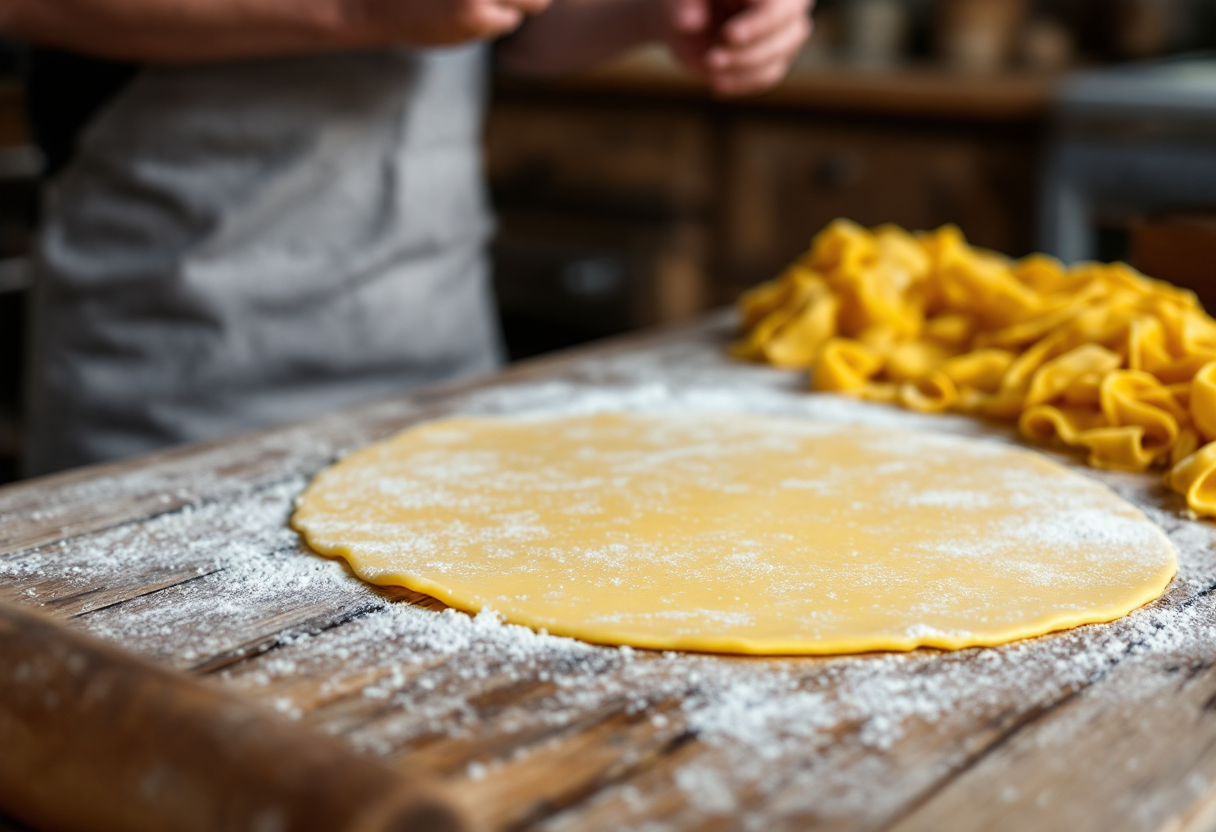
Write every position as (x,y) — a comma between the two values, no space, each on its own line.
(737,533)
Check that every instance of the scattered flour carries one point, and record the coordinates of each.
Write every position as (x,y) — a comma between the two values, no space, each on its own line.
(798,737)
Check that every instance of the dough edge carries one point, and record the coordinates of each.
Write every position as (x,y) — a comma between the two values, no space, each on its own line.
(608,635)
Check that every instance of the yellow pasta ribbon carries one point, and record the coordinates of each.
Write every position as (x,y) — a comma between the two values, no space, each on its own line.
(1203,401)
(1095,356)
(846,366)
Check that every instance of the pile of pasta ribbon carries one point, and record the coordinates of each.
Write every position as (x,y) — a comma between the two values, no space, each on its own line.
(1095,356)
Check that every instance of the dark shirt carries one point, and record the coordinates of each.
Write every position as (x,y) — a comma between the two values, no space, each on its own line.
(64,91)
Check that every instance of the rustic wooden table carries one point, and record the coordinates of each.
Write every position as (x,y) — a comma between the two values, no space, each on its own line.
(185,557)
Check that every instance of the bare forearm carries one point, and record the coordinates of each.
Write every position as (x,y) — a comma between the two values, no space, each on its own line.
(204,30)
(737,46)
(575,34)
(184,30)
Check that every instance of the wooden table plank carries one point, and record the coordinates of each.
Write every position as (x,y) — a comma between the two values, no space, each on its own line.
(102,497)
(1138,749)
(91,571)
(186,558)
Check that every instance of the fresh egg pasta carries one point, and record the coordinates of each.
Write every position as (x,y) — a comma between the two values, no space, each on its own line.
(1094,356)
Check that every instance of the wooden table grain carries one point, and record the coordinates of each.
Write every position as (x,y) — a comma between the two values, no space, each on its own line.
(185,557)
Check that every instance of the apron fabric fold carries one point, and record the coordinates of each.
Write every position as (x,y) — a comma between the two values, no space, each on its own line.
(238,245)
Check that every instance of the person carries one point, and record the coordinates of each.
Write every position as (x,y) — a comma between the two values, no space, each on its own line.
(261,210)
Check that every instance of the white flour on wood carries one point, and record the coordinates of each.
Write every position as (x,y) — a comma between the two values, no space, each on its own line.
(791,733)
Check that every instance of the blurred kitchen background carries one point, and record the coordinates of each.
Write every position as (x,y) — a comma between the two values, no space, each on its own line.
(628,197)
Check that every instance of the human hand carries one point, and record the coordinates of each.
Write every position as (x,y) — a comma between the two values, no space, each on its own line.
(751,50)
(442,22)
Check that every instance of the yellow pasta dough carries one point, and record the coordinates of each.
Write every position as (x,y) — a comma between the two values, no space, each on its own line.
(737,533)
(1096,356)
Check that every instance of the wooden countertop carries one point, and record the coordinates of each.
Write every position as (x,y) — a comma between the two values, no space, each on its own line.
(184,558)
(925,90)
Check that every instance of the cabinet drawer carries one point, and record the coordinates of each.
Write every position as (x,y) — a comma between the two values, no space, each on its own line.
(624,162)
(786,181)
(599,277)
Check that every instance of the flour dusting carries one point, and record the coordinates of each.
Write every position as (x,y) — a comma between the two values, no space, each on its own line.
(845,741)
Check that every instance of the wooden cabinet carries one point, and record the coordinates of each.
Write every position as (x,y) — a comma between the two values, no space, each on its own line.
(637,199)
(599,276)
(627,160)
(1179,247)
(604,217)
(790,177)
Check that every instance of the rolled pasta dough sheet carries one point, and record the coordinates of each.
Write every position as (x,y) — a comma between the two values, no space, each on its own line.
(737,533)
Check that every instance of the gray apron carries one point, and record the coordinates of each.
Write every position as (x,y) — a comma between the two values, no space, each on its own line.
(259,242)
